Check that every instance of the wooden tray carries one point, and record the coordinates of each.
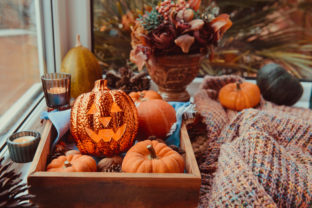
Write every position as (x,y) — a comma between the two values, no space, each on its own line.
(98,189)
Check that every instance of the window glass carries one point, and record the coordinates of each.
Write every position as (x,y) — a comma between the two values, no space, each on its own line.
(112,21)
(262,32)
(19,66)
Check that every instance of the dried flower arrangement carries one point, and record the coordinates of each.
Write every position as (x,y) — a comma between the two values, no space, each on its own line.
(176,27)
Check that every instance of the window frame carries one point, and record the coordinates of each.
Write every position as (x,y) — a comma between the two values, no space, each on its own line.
(15,116)
(77,14)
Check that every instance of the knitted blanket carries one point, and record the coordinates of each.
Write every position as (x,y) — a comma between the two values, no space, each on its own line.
(258,157)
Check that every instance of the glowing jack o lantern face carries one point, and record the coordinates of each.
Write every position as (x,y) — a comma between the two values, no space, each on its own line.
(106,134)
(103,122)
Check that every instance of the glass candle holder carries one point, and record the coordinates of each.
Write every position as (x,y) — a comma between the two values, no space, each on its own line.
(22,146)
(56,87)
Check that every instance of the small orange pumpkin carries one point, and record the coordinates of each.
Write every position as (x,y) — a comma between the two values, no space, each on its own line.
(152,157)
(72,163)
(156,118)
(144,95)
(104,122)
(240,95)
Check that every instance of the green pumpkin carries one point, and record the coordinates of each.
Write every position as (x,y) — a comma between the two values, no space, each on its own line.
(83,67)
(278,86)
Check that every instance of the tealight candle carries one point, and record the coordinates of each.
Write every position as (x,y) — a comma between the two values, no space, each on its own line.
(22,145)
(56,87)
(57,96)
(23,140)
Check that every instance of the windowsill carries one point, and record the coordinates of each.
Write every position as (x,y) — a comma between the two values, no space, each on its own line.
(33,121)
(304,101)
(15,117)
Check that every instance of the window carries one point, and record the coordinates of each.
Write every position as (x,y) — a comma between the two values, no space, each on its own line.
(262,32)
(111,30)
(22,60)
(19,62)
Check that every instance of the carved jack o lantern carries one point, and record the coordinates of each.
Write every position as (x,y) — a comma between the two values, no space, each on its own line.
(104,122)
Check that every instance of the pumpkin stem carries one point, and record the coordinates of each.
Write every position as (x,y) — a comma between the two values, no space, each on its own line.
(152,151)
(142,97)
(100,85)
(67,164)
(238,85)
(78,43)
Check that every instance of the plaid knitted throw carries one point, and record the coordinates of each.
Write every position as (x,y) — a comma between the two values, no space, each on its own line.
(258,157)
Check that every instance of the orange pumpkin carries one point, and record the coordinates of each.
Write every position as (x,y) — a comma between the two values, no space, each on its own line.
(144,95)
(152,157)
(72,163)
(240,95)
(103,122)
(156,118)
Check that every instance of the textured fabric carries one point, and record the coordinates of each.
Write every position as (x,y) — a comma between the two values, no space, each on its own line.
(255,158)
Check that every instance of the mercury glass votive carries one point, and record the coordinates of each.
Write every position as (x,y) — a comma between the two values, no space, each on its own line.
(22,146)
(56,87)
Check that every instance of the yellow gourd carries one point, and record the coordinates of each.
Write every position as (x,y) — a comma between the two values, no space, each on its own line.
(83,67)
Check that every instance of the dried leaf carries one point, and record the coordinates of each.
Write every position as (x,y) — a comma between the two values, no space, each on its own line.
(221,24)
(196,24)
(185,42)
(194,4)
(138,58)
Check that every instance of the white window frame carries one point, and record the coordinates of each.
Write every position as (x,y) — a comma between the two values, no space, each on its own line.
(14,117)
(70,17)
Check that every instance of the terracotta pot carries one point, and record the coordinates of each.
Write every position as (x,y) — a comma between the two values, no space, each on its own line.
(173,73)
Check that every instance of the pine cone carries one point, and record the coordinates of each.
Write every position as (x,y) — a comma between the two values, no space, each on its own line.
(112,78)
(110,164)
(12,191)
(126,80)
(113,168)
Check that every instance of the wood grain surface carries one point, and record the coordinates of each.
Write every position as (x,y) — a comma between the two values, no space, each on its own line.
(98,189)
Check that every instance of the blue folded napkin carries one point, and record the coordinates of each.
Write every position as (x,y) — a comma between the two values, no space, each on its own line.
(61,122)
(180,108)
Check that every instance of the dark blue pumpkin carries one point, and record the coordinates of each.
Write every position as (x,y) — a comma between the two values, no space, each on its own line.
(278,86)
